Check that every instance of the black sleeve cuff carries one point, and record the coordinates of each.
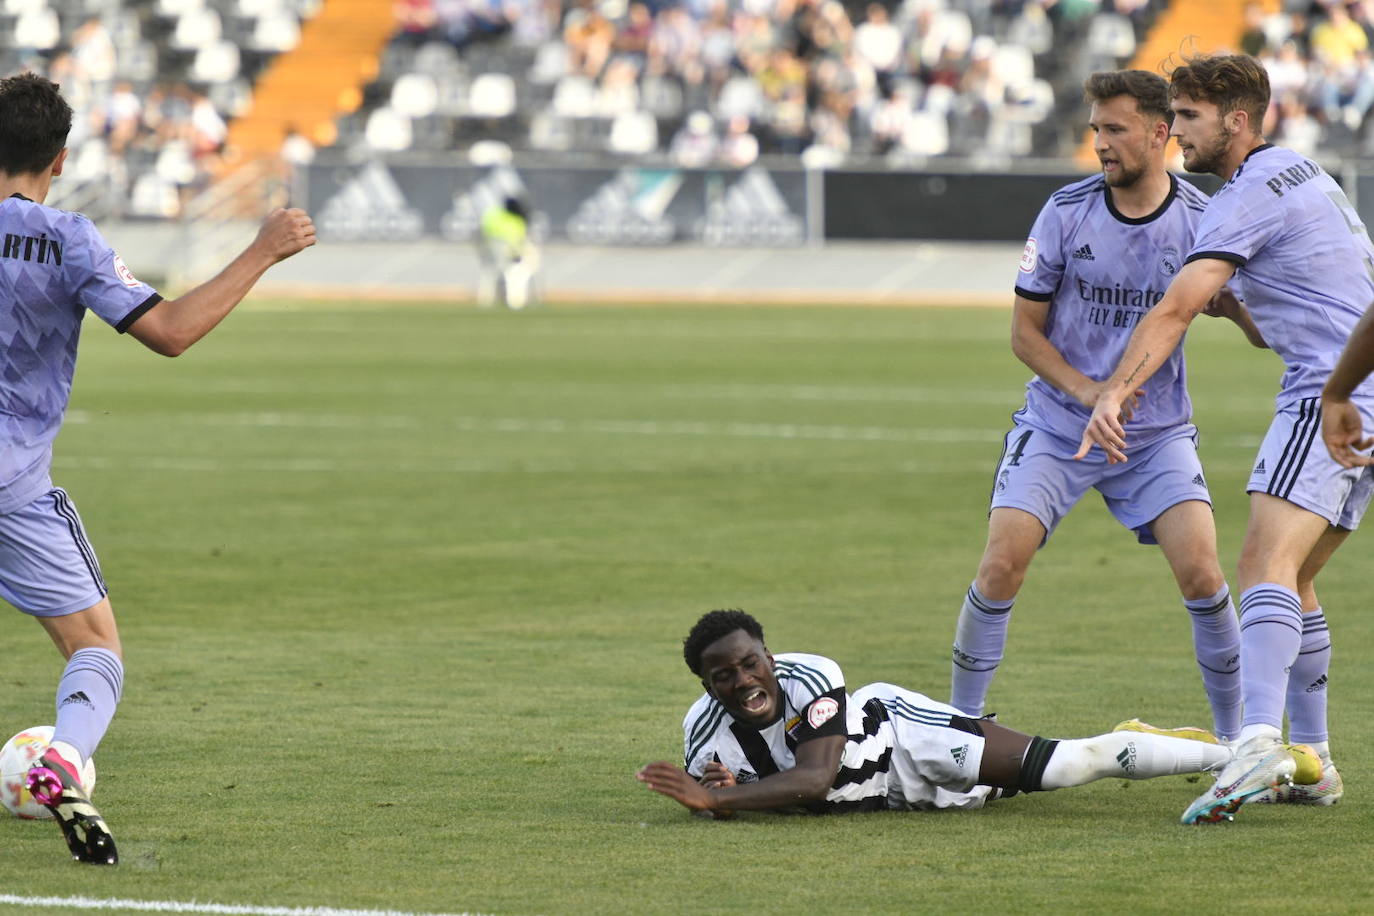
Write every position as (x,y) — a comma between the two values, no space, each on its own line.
(1236,259)
(1033,296)
(138,313)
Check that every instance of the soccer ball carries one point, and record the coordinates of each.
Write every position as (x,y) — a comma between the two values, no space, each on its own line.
(18,754)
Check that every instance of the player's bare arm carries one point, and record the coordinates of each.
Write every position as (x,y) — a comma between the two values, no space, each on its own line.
(1342,425)
(1031,345)
(173,325)
(1157,336)
(1225,305)
(817,763)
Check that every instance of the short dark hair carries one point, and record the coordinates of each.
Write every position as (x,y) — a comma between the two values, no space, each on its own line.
(34,123)
(1229,81)
(712,626)
(1150,91)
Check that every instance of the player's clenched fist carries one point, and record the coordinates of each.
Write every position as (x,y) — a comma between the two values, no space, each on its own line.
(285,232)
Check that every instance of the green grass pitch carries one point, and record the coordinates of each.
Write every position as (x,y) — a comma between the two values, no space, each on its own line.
(402,591)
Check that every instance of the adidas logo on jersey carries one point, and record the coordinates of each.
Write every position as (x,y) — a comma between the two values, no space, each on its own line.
(78,697)
(1259,468)
(1085,253)
(1127,758)
(1198,481)
(960,754)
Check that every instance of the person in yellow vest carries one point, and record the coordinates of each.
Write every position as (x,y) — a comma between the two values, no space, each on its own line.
(509,260)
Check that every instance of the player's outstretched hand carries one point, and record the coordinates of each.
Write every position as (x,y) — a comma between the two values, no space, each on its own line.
(1343,432)
(674,782)
(717,776)
(285,232)
(1104,428)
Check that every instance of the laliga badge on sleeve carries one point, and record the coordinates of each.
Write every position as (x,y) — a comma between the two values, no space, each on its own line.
(1028,255)
(122,271)
(822,711)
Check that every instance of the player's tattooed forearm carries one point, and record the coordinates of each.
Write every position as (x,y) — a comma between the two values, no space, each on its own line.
(1139,368)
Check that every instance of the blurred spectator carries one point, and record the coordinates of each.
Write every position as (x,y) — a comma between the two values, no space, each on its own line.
(417,21)
(694,145)
(1336,38)
(879,42)
(1298,130)
(589,36)
(121,117)
(1254,39)
(739,148)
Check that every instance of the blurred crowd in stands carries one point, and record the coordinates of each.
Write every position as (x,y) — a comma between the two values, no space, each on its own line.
(152,85)
(723,81)
(695,82)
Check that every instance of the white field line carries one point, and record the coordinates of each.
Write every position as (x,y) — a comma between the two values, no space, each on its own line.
(1011,397)
(690,428)
(173,906)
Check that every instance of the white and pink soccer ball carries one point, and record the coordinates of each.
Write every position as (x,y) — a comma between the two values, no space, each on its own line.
(20,753)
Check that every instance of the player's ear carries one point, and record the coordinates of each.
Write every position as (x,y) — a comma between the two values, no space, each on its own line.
(59,162)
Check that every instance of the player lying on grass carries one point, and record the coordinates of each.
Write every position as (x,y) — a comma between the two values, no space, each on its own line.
(781,732)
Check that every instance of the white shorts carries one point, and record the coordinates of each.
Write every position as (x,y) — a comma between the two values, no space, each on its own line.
(1293,464)
(934,763)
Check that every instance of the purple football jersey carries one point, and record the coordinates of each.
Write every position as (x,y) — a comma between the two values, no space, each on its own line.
(1304,261)
(54,265)
(1101,272)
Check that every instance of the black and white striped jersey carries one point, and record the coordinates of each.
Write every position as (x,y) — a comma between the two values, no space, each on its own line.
(814,705)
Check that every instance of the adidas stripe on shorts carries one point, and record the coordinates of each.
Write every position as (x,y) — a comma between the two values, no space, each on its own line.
(47,565)
(934,764)
(1293,464)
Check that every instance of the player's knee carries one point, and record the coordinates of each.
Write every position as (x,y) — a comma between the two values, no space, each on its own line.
(1000,576)
(1199,580)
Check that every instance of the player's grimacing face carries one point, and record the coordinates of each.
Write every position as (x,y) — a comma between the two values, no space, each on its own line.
(1202,134)
(1123,139)
(738,671)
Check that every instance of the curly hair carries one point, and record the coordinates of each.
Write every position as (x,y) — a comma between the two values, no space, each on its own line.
(1232,82)
(712,626)
(34,123)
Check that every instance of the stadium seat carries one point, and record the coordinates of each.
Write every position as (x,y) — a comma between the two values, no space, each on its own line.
(197,28)
(492,95)
(276,32)
(1014,64)
(215,63)
(415,95)
(550,132)
(387,130)
(1110,36)
(740,95)
(438,58)
(633,133)
(37,29)
(154,196)
(550,63)
(574,97)
(926,134)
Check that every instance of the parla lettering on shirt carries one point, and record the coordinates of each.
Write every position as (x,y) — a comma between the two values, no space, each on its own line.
(30,248)
(1293,176)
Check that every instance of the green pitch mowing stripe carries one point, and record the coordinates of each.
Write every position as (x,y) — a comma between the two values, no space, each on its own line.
(116,904)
